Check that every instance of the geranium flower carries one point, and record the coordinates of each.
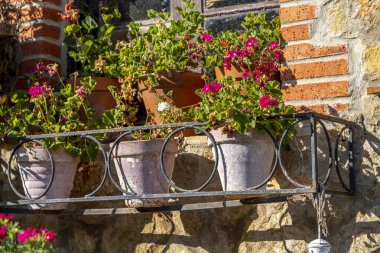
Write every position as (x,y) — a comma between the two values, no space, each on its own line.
(206,88)
(264,101)
(274,101)
(277,55)
(224,43)
(26,234)
(206,37)
(246,74)
(163,106)
(35,91)
(6,217)
(3,232)
(252,42)
(273,45)
(215,87)
(49,234)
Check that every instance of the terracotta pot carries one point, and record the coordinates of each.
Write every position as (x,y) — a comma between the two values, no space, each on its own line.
(235,72)
(183,85)
(35,170)
(245,160)
(101,98)
(137,164)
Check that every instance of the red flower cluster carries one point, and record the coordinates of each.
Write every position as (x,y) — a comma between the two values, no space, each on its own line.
(266,101)
(71,15)
(31,233)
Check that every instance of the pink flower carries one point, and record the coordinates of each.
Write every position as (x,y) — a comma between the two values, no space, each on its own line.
(257,74)
(274,101)
(48,234)
(28,233)
(252,42)
(277,55)
(206,88)
(246,74)
(273,45)
(264,101)
(215,87)
(206,37)
(35,91)
(6,217)
(3,232)
(234,54)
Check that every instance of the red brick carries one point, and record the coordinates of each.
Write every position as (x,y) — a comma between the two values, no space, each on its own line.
(305,51)
(315,91)
(40,47)
(296,32)
(40,30)
(34,13)
(297,13)
(323,108)
(26,66)
(314,69)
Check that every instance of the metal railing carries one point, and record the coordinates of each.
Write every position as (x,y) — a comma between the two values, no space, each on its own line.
(254,194)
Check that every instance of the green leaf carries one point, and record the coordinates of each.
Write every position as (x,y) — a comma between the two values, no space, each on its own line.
(72,29)
(89,24)
(86,47)
(20,96)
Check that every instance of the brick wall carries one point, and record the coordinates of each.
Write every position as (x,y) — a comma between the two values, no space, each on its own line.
(41,35)
(315,76)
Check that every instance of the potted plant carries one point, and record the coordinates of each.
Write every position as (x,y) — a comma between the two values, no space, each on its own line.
(246,152)
(162,59)
(250,51)
(137,157)
(91,46)
(49,107)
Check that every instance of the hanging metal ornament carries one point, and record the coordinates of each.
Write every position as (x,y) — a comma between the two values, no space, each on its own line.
(319,245)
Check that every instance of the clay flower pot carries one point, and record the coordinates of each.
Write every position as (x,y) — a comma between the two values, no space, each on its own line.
(235,72)
(183,85)
(245,160)
(36,171)
(137,164)
(101,98)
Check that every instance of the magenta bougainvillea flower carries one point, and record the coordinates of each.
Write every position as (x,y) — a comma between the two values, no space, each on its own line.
(3,232)
(35,91)
(206,37)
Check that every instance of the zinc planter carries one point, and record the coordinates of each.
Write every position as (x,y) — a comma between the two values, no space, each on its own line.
(137,164)
(36,171)
(245,160)
(182,84)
